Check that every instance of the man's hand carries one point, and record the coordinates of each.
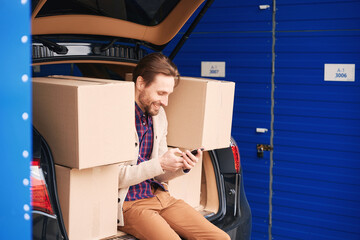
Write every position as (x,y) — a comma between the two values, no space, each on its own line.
(170,162)
(190,160)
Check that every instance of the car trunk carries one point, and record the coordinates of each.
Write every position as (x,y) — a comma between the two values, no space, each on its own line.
(200,188)
(104,28)
(201,180)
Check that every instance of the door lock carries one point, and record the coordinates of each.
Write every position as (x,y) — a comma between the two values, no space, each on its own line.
(261,148)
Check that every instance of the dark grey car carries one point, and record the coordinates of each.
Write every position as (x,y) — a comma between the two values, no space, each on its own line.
(105,39)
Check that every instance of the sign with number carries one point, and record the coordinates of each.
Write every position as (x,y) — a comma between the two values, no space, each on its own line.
(339,72)
(213,69)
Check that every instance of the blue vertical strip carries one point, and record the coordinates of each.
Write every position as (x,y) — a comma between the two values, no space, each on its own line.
(15,120)
(317,134)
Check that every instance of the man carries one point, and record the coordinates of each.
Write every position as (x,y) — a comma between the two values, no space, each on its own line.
(146,209)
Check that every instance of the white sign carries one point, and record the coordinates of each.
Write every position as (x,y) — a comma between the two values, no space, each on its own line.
(339,72)
(213,69)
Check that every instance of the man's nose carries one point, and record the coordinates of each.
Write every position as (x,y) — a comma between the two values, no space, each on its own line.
(164,101)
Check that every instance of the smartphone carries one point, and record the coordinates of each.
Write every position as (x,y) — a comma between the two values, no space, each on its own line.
(195,151)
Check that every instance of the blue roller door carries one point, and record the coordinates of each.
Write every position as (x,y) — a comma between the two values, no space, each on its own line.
(308,187)
(316,188)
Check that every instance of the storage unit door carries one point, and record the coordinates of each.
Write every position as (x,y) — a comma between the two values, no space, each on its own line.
(316,188)
(296,72)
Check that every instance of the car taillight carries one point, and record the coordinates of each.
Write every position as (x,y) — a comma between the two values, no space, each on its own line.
(40,200)
(236,154)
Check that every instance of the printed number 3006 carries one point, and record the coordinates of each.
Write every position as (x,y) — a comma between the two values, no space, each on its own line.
(341,75)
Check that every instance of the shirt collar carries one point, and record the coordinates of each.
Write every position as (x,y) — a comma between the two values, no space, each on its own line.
(138,110)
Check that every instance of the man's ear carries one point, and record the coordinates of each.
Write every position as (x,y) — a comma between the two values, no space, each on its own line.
(140,83)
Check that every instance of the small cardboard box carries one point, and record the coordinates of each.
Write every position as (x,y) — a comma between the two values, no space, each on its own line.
(88,200)
(87,122)
(188,186)
(200,113)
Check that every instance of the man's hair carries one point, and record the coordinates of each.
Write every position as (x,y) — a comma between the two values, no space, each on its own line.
(153,64)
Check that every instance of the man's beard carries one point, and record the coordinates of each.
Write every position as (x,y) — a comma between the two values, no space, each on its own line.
(146,103)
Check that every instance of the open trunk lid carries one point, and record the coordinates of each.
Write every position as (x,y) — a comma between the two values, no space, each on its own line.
(154,22)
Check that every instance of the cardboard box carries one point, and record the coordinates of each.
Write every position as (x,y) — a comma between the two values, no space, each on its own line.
(188,186)
(88,201)
(200,113)
(87,122)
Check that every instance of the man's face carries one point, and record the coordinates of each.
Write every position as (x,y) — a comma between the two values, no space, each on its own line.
(152,97)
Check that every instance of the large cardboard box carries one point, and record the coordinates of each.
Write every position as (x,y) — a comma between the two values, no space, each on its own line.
(88,200)
(87,122)
(200,113)
(188,186)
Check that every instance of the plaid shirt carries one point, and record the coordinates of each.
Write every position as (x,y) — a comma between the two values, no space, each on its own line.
(144,128)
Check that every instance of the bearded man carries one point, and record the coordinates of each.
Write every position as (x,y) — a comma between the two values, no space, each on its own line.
(146,209)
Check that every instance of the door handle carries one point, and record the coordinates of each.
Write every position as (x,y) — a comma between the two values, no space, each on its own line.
(264,7)
(261,130)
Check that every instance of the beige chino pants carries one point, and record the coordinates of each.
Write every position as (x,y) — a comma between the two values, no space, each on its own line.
(165,218)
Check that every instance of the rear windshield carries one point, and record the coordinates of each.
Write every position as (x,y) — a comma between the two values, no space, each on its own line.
(144,12)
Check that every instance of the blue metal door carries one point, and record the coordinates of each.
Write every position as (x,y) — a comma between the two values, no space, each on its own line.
(316,188)
(279,53)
